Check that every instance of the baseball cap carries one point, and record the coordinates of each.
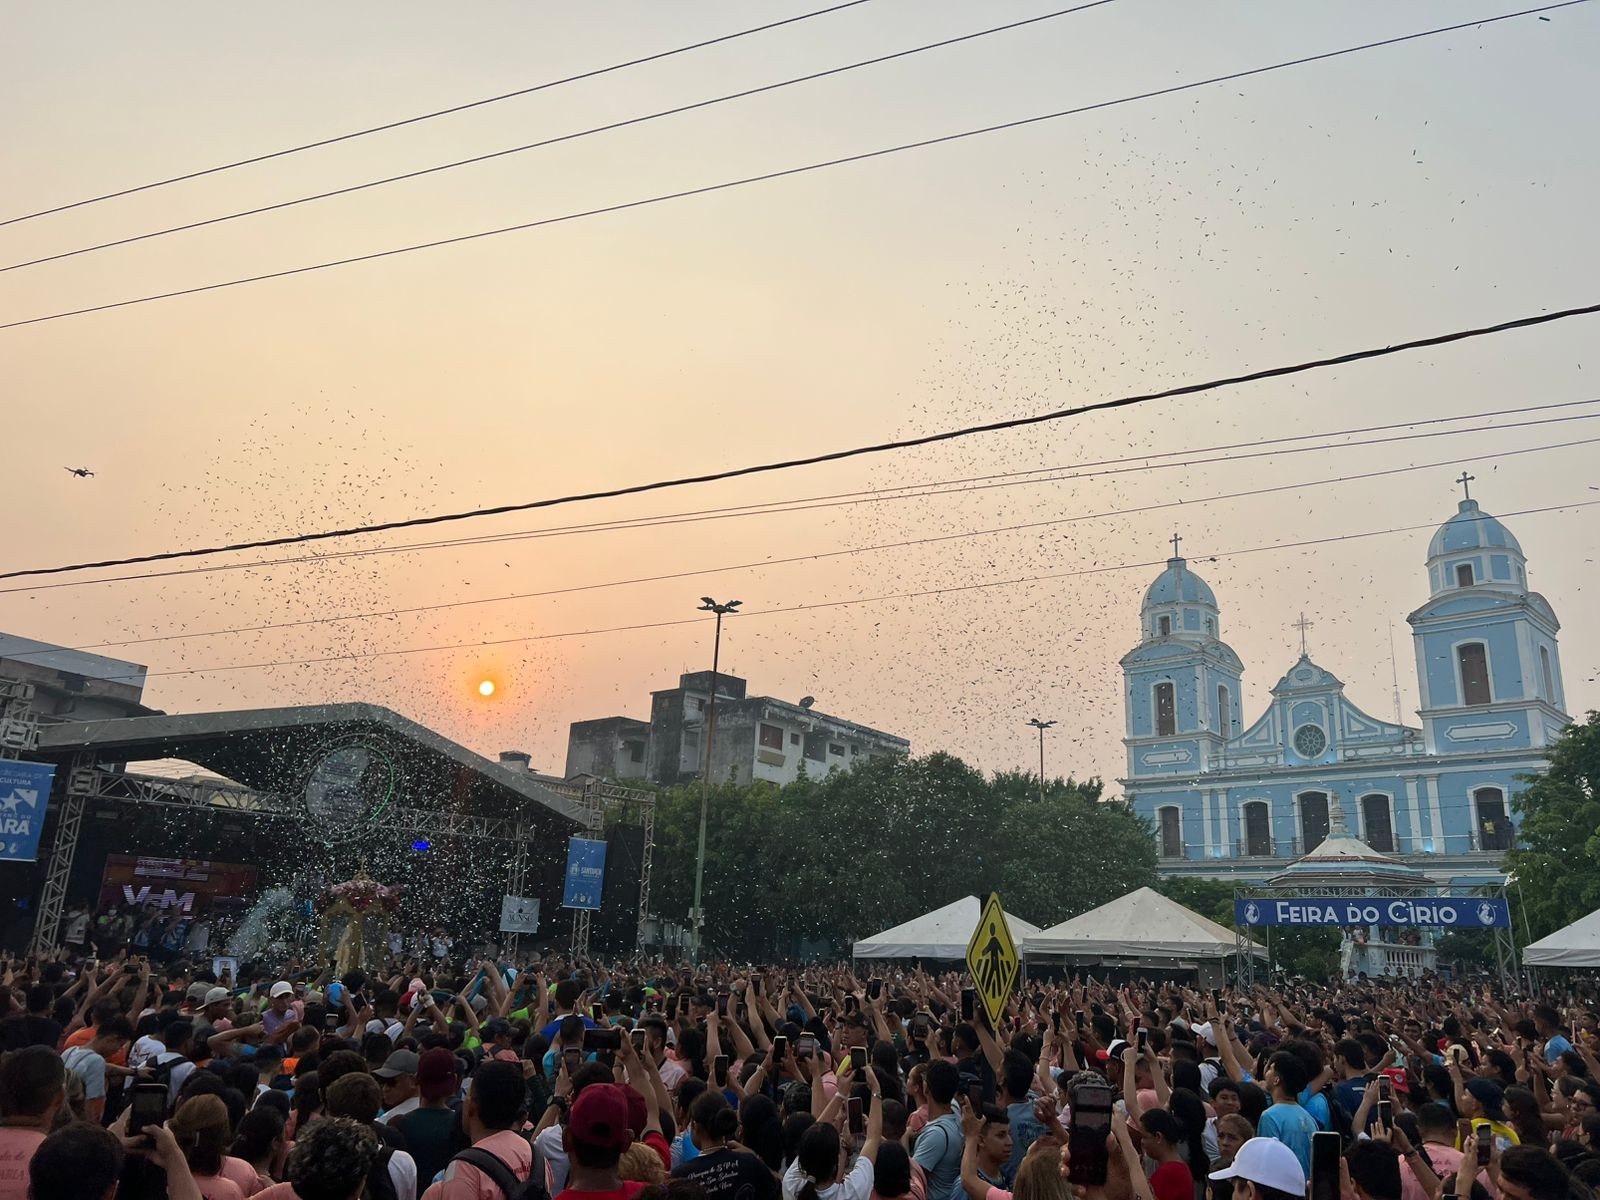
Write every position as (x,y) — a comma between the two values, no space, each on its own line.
(197,991)
(216,995)
(1205,1033)
(282,988)
(401,1062)
(600,1118)
(1118,1045)
(438,1074)
(1269,1163)
(1490,1095)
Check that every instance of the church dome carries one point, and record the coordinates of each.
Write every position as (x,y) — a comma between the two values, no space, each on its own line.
(1179,585)
(1472,529)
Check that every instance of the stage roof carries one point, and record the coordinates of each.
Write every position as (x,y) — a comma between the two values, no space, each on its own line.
(280,749)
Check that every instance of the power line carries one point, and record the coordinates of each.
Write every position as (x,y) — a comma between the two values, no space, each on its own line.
(816,556)
(825,604)
(440,112)
(836,455)
(553,141)
(1042,475)
(783,173)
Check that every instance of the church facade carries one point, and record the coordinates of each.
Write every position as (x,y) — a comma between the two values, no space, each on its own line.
(1240,800)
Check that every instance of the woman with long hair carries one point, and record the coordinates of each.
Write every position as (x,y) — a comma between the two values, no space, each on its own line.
(1523,1115)
(724,1171)
(200,1126)
(816,1173)
(260,1142)
(1164,1135)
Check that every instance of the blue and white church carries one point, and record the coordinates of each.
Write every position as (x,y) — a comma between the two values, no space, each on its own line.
(1241,801)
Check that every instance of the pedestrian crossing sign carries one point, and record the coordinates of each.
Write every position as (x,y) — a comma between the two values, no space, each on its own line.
(992,960)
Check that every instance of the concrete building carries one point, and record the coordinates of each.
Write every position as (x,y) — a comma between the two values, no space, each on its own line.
(1241,801)
(72,685)
(757,737)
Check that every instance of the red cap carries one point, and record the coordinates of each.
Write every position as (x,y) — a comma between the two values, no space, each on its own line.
(638,1110)
(438,1073)
(600,1118)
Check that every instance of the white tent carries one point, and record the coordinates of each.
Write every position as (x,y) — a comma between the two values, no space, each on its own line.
(1142,925)
(942,933)
(1578,945)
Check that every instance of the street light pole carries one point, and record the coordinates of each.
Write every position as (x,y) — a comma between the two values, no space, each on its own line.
(707,604)
(1041,726)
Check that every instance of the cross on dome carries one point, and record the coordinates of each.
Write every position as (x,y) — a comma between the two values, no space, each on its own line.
(1175,540)
(1464,481)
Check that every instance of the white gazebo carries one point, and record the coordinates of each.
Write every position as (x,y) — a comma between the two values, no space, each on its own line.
(940,934)
(1142,930)
(1578,945)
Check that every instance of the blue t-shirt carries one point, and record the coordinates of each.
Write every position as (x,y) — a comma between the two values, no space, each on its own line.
(938,1153)
(1025,1130)
(1316,1104)
(1293,1126)
(1348,1093)
(1556,1047)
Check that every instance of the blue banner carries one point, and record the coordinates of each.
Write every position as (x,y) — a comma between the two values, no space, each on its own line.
(586,873)
(24,799)
(1448,912)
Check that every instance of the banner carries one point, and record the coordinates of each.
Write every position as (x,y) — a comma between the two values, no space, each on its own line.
(24,799)
(519,914)
(586,873)
(187,884)
(1447,912)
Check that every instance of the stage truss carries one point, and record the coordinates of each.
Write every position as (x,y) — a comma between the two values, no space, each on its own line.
(86,781)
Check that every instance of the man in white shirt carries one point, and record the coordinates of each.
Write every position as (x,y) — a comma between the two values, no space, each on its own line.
(398,1080)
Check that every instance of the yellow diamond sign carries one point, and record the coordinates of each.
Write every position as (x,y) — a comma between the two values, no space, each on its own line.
(992,960)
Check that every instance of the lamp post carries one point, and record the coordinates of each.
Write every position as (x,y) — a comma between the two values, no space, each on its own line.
(1041,726)
(707,604)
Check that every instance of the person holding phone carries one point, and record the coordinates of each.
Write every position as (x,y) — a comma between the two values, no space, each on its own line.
(940,1144)
(814,1174)
(724,1172)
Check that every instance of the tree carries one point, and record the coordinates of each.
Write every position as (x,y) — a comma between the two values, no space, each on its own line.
(1559,833)
(1211,898)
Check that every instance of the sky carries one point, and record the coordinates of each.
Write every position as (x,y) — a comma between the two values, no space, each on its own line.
(1332,206)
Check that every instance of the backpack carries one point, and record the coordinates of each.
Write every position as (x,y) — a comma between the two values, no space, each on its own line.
(502,1176)
(162,1072)
(380,1184)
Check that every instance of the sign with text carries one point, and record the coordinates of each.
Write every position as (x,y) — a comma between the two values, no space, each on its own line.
(586,873)
(1447,912)
(519,914)
(24,799)
(992,960)
(187,884)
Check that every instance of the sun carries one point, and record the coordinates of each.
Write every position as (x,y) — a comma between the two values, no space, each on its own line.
(486,688)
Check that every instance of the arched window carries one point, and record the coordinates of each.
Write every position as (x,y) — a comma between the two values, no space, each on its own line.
(1494,827)
(1472,662)
(1164,626)
(1171,832)
(1166,710)
(1313,820)
(1377,823)
(1547,674)
(1257,830)
(1224,716)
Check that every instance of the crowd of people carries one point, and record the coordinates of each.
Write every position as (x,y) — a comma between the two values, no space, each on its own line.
(488,1080)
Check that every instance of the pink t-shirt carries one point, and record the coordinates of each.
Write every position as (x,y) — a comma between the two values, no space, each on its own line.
(463,1181)
(16,1150)
(216,1187)
(242,1174)
(278,1191)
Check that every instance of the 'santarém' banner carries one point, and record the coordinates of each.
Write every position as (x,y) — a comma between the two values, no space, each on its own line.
(1449,912)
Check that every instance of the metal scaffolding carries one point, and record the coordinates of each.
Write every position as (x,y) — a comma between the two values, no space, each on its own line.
(86,782)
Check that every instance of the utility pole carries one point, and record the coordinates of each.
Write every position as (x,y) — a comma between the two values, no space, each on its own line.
(707,604)
(1041,726)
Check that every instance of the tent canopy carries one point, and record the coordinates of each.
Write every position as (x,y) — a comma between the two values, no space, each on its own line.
(1578,945)
(1143,924)
(942,933)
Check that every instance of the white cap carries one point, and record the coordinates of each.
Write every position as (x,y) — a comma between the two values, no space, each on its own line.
(1269,1163)
(282,988)
(1205,1033)
(217,995)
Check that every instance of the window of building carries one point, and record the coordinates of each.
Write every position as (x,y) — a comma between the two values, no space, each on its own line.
(1546,674)
(1224,717)
(1164,626)
(1472,659)
(636,752)
(1257,830)
(854,749)
(1171,833)
(835,748)
(1313,820)
(771,737)
(1166,711)
(699,704)
(1463,574)
(1494,827)
(1377,823)
(794,739)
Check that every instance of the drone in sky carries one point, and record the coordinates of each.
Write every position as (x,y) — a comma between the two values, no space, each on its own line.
(80,472)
